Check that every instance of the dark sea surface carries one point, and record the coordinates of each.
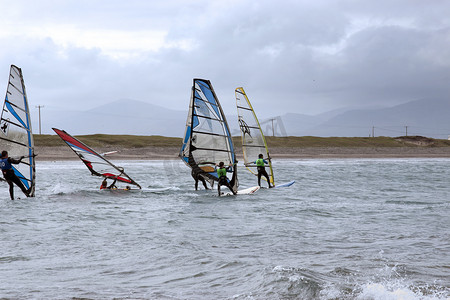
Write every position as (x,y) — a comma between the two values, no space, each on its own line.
(347,229)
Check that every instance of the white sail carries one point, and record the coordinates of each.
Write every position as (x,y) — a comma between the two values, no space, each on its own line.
(16,135)
(253,140)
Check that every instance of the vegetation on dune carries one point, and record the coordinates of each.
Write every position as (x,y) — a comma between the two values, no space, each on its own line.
(312,141)
(105,140)
(137,141)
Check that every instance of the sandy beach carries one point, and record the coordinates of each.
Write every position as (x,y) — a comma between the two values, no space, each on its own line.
(159,153)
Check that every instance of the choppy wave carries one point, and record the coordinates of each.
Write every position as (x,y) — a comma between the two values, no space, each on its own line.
(347,229)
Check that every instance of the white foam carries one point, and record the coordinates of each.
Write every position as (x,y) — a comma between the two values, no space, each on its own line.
(378,291)
(59,188)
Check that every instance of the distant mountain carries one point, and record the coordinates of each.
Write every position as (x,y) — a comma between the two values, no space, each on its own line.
(300,124)
(426,117)
(119,117)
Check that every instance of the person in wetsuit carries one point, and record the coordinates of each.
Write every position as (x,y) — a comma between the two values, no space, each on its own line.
(222,174)
(198,177)
(260,164)
(9,175)
(104,184)
(112,186)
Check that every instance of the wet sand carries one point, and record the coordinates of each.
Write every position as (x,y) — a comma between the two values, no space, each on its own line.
(159,153)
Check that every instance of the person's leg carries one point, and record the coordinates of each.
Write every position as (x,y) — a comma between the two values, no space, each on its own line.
(218,188)
(19,183)
(204,182)
(267,177)
(11,189)
(196,184)
(259,178)
(231,188)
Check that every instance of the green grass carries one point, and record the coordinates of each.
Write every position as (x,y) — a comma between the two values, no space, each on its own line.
(312,141)
(137,141)
(104,140)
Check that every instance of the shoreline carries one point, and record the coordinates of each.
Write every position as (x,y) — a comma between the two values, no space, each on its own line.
(171,153)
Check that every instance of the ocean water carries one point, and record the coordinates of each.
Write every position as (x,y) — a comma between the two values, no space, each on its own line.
(347,229)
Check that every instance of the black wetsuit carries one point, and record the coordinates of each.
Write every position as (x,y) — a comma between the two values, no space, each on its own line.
(223,180)
(198,177)
(262,171)
(11,177)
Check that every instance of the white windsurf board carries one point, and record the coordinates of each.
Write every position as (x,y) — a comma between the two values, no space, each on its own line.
(246,191)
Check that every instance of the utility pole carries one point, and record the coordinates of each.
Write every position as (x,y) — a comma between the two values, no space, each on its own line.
(406,130)
(273,130)
(39,108)
(373,131)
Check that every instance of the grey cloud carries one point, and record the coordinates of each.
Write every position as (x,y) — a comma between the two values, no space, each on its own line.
(294,56)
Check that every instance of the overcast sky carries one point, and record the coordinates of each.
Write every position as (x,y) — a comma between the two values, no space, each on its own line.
(290,56)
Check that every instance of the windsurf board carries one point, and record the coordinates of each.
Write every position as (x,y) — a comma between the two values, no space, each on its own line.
(246,191)
(286,184)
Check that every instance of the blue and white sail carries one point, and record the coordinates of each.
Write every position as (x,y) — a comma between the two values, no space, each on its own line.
(207,139)
(16,135)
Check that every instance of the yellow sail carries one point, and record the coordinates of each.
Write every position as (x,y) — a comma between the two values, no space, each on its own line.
(253,140)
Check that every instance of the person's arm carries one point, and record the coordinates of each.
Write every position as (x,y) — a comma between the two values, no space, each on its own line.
(250,163)
(16,161)
(230,168)
(113,184)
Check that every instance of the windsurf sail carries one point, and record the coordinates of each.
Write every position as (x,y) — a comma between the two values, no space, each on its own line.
(16,136)
(95,162)
(207,139)
(253,140)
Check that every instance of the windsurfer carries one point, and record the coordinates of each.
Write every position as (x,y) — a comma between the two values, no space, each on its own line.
(260,162)
(198,177)
(104,185)
(9,175)
(222,174)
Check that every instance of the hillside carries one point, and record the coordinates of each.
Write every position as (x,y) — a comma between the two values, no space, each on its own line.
(426,117)
(109,140)
(51,147)
(138,141)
